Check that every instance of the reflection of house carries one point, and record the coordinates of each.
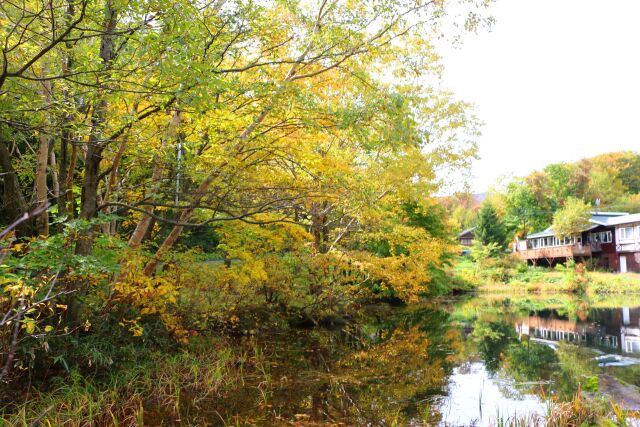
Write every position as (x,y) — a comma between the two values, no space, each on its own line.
(610,329)
(466,237)
(613,241)
(630,331)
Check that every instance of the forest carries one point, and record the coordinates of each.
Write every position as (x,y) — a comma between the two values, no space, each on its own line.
(176,174)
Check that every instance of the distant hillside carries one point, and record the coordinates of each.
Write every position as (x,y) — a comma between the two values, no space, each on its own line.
(479,197)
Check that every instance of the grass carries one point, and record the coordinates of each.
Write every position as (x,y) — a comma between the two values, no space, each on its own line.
(163,388)
(579,411)
(510,276)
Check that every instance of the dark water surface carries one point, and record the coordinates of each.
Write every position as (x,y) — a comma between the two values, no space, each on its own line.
(450,362)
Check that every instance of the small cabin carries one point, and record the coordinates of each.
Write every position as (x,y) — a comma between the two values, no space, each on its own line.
(467,237)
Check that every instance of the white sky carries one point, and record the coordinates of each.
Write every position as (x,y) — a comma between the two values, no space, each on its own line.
(555,80)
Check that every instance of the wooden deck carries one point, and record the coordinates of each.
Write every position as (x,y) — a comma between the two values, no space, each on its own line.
(568,251)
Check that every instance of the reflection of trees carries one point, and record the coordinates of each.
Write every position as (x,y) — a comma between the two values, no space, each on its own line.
(575,367)
(492,339)
(389,381)
(385,370)
(529,365)
(395,379)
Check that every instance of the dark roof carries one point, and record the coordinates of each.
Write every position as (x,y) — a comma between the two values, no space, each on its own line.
(468,232)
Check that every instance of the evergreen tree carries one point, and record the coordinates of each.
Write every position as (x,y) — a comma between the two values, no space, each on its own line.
(489,227)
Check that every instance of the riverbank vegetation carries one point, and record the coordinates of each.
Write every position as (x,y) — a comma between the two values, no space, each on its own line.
(509,274)
(562,196)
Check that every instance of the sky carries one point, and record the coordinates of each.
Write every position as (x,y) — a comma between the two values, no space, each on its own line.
(553,81)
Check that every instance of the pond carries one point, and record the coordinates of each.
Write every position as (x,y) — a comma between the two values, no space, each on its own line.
(455,362)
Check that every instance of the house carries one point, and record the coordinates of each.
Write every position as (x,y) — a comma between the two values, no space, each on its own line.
(613,242)
(466,237)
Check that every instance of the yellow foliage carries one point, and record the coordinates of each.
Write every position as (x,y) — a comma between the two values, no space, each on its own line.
(150,296)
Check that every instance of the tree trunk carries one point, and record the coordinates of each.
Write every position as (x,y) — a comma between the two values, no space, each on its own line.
(318,226)
(42,220)
(143,225)
(63,165)
(95,146)
(70,199)
(66,167)
(55,183)
(14,203)
(89,198)
(44,139)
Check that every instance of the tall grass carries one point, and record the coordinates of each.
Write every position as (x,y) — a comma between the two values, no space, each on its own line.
(579,411)
(163,388)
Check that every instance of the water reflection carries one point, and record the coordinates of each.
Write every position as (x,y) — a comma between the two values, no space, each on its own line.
(475,397)
(532,350)
(460,362)
(615,329)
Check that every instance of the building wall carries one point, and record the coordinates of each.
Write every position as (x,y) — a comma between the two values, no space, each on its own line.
(633,261)
(607,257)
(630,248)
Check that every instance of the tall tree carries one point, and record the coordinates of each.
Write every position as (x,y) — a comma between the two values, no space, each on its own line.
(489,227)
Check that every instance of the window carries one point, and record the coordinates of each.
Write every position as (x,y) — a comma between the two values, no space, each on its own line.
(626,233)
(602,237)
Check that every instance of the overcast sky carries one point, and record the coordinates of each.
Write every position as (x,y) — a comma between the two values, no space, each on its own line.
(554,80)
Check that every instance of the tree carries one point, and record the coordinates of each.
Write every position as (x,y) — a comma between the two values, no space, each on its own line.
(572,218)
(489,227)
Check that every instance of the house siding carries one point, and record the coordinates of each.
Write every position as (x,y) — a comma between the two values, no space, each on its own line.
(605,253)
(628,247)
(633,261)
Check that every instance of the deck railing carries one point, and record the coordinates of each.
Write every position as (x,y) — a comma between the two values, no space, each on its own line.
(552,252)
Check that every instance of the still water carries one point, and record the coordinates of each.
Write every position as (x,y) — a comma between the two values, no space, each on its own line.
(456,362)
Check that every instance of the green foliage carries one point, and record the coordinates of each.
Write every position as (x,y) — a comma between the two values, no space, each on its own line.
(523,213)
(527,204)
(489,227)
(528,361)
(430,219)
(573,218)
